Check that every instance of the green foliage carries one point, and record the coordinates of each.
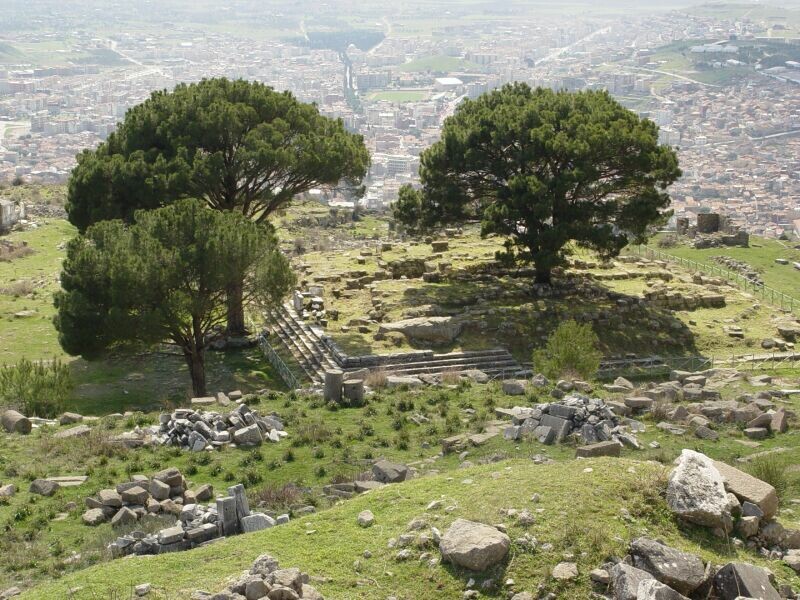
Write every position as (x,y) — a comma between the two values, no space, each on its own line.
(544,168)
(35,388)
(164,278)
(771,468)
(570,350)
(238,145)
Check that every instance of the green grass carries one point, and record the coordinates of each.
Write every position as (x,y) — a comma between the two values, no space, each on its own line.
(156,380)
(760,255)
(327,445)
(580,515)
(399,96)
(439,64)
(32,337)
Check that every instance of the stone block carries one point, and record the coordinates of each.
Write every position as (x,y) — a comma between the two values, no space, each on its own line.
(609,448)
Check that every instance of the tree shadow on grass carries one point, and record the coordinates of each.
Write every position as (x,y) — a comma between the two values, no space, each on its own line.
(156,380)
(507,312)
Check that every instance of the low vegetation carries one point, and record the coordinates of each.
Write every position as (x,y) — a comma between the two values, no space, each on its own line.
(571,350)
(38,389)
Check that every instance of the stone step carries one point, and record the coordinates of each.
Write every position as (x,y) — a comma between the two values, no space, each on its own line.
(310,365)
(305,344)
(488,368)
(305,347)
(307,336)
(308,369)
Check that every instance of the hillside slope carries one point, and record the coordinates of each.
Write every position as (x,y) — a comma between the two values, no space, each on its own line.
(588,510)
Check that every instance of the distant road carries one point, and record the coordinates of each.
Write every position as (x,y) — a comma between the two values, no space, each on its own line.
(667,73)
(561,51)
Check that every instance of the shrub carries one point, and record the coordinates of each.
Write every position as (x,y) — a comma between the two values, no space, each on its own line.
(772,469)
(376,379)
(35,389)
(572,349)
(275,497)
(668,241)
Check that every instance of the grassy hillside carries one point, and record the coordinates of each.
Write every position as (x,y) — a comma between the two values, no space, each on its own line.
(42,534)
(117,383)
(589,510)
(760,255)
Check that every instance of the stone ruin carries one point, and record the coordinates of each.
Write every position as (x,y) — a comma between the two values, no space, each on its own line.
(198,430)
(167,493)
(590,421)
(265,581)
(310,305)
(713,494)
(712,230)
(11,213)
(740,267)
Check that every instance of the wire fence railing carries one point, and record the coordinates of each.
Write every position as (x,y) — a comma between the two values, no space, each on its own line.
(771,295)
(656,365)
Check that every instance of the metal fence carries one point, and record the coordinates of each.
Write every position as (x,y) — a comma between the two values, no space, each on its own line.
(657,365)
(771,295)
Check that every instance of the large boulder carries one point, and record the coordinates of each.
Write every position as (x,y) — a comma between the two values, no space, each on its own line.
(433,330)
(681,571)
(696,491)
(43,487)
(749,489)
(626,579)
(14,422)
(736,580)
(389,472)
(655,590)
(474,546)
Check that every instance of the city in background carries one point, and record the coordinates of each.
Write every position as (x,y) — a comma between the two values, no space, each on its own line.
(720,80)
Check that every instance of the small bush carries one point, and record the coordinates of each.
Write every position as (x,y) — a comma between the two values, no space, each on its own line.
(376,379)
(668,241)
(572,349)
(35,389)
(276,497)
(771,468)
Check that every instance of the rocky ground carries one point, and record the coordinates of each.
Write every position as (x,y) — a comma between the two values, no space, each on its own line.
(435,434)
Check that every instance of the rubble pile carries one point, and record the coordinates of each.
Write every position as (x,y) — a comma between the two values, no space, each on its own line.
(653,570)
(740,267)
(714,494)
(167,493)
(590,420)
(265,580)
(198,430)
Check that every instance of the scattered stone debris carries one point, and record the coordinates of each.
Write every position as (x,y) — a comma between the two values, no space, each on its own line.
(588,420)
(654,571)
(716,495)
(198,430)
(167,493)
(740,267)
(266,581)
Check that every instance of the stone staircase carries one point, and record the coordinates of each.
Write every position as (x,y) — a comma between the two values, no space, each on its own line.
(315,353)
(492,362)
(303,342)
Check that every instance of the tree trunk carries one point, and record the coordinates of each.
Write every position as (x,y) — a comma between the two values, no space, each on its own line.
(195,359)
(543,275)
(235,325)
